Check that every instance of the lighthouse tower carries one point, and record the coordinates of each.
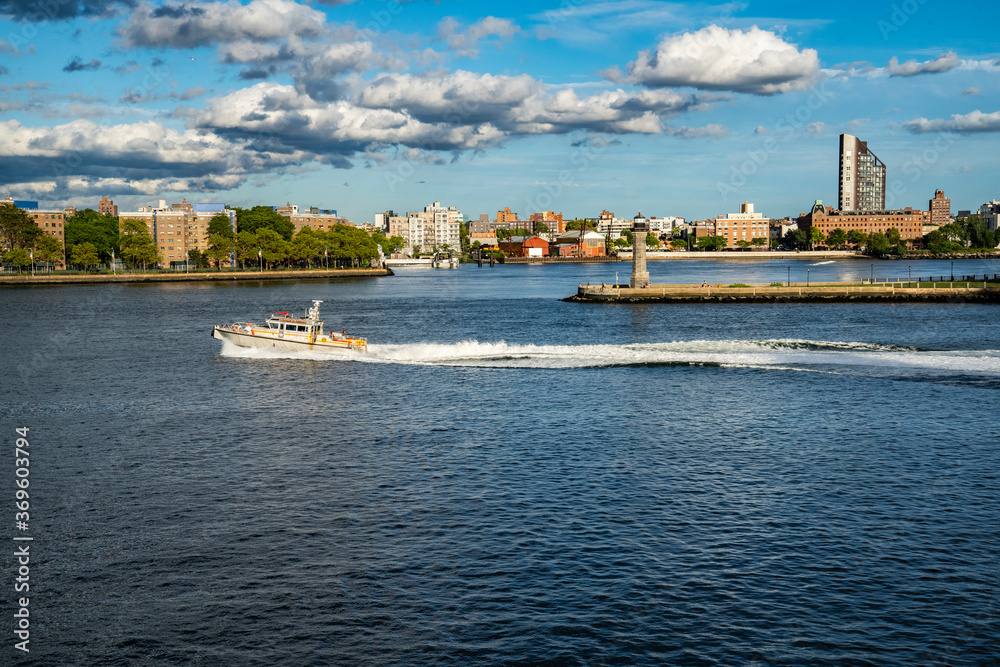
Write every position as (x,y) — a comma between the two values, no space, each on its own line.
(640,276)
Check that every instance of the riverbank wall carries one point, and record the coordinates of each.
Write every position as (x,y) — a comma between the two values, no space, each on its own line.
(949,292)
(223,276)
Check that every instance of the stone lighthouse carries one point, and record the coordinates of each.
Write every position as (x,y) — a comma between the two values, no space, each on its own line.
(640,276)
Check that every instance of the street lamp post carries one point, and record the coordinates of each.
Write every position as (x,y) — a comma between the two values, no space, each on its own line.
(909,274)
(953,270)
(872,279)
(807,277)
(789,281)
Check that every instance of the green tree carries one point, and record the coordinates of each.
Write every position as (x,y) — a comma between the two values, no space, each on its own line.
(677,244)
(541,227)
(893,236)
(264,217)
(837,238)
(579,224)
(198,258)
(220,248)
(712,242)
(796,238)
(652,241)
(19,257)
(17,229)
(272,246)
(89,226)
(137,245)
(48,249)
(857,237)
(815,236)
(878,244)
(306,246)
(246,248)
(219,226)
(758,241)
(85,255)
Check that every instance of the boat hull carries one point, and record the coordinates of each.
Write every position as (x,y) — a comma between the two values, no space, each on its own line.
(263,340)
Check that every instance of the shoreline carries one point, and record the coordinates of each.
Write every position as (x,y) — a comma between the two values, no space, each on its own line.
(940,292)
(224,276)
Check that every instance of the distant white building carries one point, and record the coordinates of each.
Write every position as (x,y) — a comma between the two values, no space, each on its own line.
(990,213)
(660,225)
(436,225)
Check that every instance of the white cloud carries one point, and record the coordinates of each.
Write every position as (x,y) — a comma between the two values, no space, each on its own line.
(942,63)
(194,24)
(144,155)
(714,58)
(971,91)
(466,42)
(522,105)
(970,123)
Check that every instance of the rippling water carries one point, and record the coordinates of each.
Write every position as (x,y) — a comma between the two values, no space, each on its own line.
(509,479)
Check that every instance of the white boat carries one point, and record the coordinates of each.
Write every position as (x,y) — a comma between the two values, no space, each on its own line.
(444,260)
(286,332)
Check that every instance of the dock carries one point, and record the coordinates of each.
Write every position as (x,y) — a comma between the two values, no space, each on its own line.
(951,291)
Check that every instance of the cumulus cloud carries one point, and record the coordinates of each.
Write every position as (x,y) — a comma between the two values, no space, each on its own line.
(140,156)
(970,123)
(194,24)
(466,42)
(77,65)
(942,63)
(752,61)
(36,12)
(522,105)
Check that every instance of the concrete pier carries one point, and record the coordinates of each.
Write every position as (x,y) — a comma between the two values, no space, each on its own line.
(944,291)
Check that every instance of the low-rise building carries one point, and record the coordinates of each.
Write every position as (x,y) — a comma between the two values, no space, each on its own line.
(909,222)
(524,246)
(50,221)
(180,228)
(579,243)
(552,220)
(746,225)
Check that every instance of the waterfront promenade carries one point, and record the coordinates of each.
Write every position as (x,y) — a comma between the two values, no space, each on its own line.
(224,276)
(985,290)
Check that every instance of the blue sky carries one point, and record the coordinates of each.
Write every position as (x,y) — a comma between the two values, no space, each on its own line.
(577,106)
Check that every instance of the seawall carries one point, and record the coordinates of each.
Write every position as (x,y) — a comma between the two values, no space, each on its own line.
(224,276)
(948,292)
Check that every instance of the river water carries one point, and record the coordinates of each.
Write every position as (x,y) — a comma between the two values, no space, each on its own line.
(506,478)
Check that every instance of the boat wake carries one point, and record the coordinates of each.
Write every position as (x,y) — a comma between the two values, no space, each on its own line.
(803,355)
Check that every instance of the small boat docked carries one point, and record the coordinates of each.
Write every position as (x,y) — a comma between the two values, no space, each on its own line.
(287,332)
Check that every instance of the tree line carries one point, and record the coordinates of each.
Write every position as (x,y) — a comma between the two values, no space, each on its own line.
(261,236)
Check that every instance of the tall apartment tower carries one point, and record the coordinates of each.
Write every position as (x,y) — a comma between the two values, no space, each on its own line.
(862,177)
(939,209)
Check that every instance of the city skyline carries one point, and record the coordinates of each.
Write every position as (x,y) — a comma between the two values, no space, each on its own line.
(569,106)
